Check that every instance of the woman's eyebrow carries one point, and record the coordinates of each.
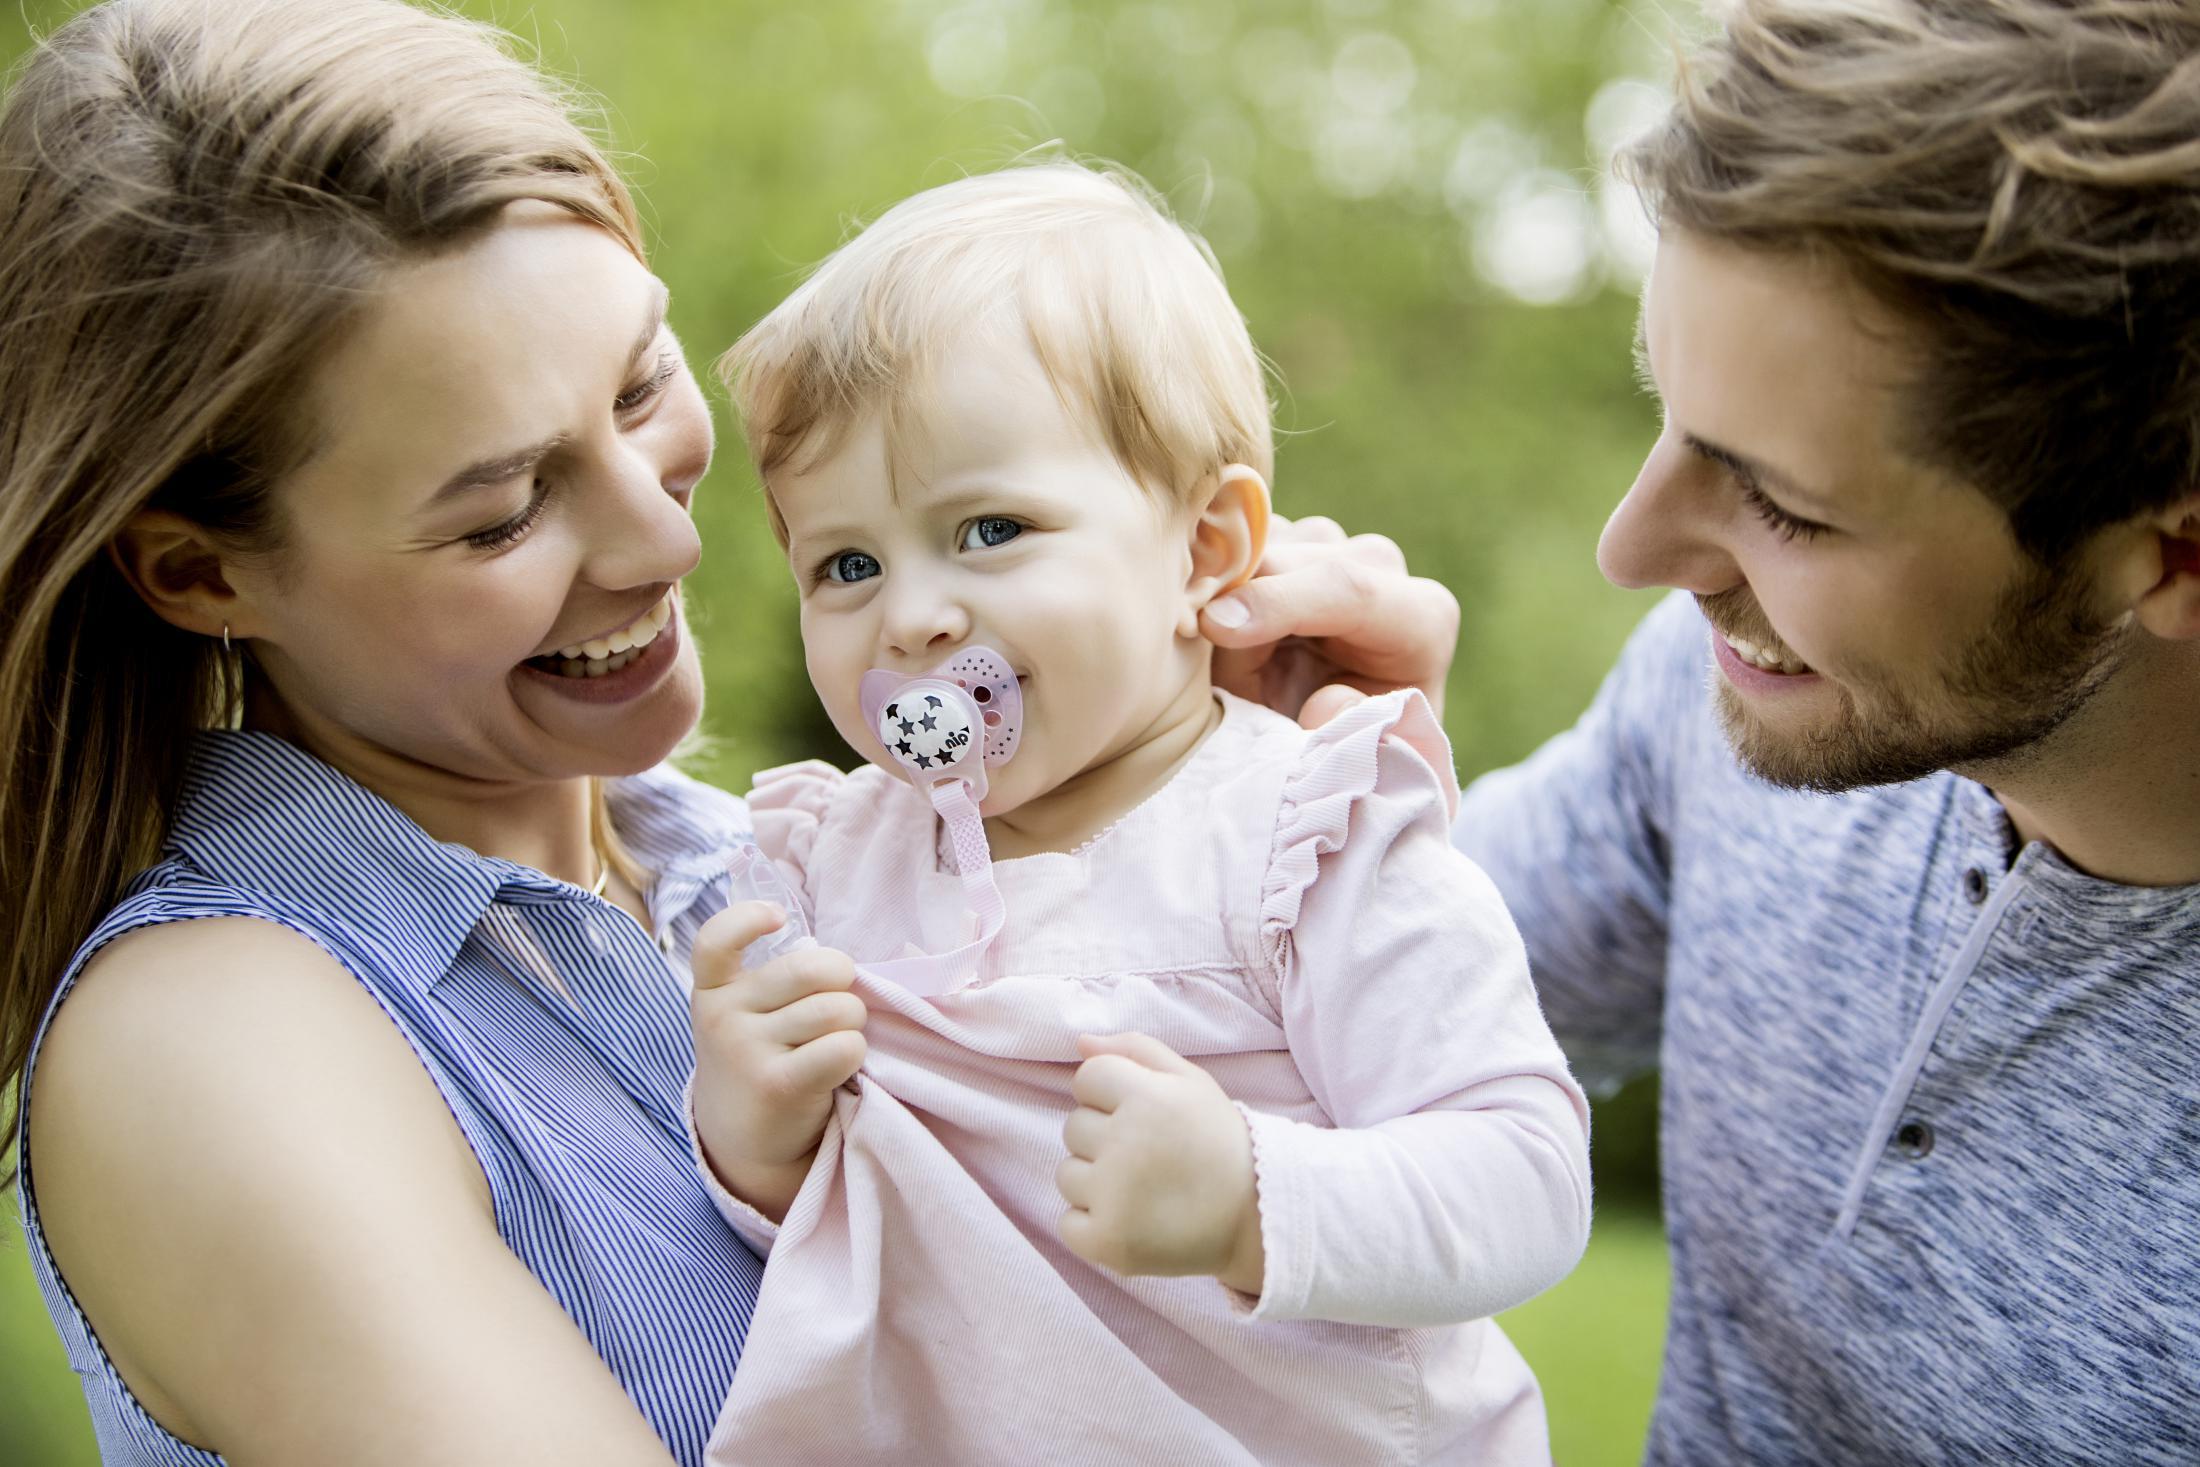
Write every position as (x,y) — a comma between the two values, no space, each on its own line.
(511,465)
(654,322)
(496,470)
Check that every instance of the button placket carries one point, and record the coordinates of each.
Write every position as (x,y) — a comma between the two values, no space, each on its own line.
(1890,1122)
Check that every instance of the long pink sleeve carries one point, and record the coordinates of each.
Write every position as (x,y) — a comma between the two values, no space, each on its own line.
(1456,1181)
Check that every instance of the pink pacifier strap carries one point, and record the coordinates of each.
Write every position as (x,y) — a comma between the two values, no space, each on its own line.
(932,974)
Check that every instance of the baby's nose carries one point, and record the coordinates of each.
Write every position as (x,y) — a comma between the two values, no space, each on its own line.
(923,621)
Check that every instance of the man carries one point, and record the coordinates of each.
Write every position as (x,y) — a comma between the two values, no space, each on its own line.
(1883,843)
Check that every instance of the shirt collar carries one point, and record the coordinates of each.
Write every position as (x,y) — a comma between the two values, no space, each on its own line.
(260,813)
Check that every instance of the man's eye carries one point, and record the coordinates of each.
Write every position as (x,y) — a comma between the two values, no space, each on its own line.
(990,530)
(851,566)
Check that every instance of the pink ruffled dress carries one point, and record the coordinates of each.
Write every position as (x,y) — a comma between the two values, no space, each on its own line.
(1288,912)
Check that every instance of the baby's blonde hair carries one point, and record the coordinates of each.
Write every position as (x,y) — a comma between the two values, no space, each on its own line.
(1124,307)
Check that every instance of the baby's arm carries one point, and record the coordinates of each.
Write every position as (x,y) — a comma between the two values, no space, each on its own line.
(1456,1182)
(773,1040)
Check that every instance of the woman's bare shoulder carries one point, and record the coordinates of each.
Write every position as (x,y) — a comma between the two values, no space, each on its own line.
(217,1034)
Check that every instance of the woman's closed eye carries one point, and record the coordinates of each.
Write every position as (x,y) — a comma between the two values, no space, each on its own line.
(497,536)
(637,396)
(640,395)
(990,530)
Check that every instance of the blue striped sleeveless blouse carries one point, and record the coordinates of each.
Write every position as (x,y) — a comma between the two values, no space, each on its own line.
(571,1100)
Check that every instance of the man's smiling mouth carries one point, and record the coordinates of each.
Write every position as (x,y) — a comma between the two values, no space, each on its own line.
(1765,658)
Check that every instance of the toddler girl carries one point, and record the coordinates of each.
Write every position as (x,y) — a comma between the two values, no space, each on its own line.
(1163,1086)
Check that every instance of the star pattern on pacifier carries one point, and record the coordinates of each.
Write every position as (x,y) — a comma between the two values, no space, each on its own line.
(927,732)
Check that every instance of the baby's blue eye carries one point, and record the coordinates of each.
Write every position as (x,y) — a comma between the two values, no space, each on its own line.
(991,530)
(850,566)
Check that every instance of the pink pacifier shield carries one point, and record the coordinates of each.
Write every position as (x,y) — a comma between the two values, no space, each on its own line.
(932,724)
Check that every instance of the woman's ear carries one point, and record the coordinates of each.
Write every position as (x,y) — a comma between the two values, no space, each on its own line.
(1228,536)
(178,570)
(2166,572)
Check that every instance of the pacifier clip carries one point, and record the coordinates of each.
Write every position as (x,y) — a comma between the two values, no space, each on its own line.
(946,728)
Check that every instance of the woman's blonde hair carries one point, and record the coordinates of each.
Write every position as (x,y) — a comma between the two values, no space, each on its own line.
(195,195)
(1125,307)
(2019,180)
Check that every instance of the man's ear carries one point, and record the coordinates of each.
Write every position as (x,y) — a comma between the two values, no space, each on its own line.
(180,571)
(2165,571)
(1228,537)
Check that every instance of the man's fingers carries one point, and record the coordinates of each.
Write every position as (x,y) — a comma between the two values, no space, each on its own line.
(1326,703)
(814,1016)
(718,945)
(1314,529)
(1391,619)
(1378,551)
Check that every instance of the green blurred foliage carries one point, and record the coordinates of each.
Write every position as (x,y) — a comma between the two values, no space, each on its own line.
(1409,203)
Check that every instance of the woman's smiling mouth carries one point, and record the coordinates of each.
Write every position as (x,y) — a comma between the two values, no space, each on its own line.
(602,656)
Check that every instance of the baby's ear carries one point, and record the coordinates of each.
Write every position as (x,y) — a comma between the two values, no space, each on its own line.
(1229,532)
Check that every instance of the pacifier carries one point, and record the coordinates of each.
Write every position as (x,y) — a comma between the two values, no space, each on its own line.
(954,722)
(945,728)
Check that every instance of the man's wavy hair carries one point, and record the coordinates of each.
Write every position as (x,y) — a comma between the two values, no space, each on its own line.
(2017,179)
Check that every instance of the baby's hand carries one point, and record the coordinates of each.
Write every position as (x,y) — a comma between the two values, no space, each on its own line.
(1159,1178)
(772,1043)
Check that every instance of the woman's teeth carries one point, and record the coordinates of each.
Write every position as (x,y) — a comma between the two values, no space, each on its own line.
(605,655)
(1762,658)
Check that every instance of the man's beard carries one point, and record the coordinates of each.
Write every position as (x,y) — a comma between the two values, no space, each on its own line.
(2042,659)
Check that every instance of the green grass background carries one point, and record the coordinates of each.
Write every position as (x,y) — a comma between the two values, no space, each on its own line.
(1407,197)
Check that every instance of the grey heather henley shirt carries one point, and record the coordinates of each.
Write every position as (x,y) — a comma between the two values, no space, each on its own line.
(1930,1117)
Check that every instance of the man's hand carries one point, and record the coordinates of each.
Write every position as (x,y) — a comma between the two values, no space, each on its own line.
(1159,1177)
(1328,620)
(772,1043)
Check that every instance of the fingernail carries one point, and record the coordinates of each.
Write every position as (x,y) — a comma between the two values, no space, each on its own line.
(1228,613)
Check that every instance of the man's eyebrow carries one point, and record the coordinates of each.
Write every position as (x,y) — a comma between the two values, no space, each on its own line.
(511,465)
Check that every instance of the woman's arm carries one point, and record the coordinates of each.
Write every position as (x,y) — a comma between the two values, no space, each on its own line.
(271,1218)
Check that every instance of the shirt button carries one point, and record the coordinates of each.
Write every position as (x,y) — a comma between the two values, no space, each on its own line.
(1914,1139)
(1974,886)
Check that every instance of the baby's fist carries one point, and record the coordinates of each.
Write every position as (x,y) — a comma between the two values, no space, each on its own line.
(1159,1177)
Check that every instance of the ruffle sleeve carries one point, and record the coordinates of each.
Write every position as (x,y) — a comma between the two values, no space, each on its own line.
(1338,771)
(1448,1178)
(789,806)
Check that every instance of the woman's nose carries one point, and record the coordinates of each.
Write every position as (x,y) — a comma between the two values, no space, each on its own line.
(645,535)
(921,615)
(1667,531)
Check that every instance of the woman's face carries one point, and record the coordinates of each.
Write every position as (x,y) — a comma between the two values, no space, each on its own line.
(505,447)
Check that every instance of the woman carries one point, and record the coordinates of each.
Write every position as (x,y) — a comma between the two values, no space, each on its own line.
(344,497)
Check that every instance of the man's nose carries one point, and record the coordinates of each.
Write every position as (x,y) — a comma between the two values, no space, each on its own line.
(1667,530)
